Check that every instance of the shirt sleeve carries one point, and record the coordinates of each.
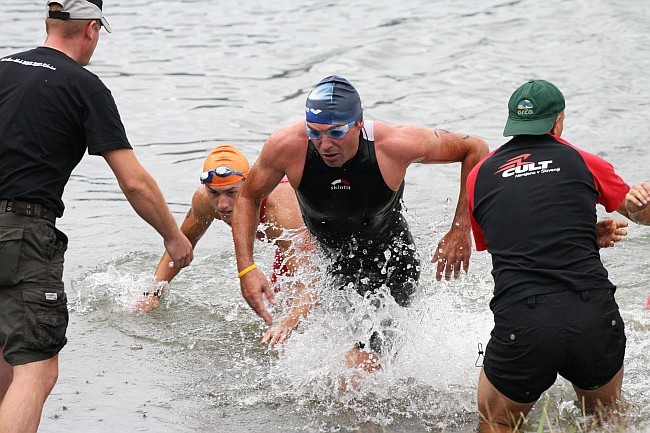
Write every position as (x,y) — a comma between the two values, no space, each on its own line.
(477,231)
(611,187)
(103,125)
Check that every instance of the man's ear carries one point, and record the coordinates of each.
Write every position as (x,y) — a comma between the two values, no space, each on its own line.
(558,126)
(89,30)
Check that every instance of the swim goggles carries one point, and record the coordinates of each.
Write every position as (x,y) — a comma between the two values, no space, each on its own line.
(335,133)
(221,171)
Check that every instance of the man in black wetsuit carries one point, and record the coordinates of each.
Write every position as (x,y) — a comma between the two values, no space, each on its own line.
(349,177)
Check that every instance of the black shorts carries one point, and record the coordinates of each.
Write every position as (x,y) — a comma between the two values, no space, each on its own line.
(367,266)
(579,335)
(33,304)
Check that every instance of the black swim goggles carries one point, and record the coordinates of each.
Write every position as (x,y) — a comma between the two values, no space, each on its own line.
(336,133)
(221,171)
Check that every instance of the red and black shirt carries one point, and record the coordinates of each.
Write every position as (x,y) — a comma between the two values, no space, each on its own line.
(533,207)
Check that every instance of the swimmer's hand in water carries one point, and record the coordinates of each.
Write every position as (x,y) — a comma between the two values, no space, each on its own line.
(147,303)
(280,333)
(254,286)
(150,299)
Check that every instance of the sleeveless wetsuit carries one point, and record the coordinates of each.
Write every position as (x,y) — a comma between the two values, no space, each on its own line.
(357,219)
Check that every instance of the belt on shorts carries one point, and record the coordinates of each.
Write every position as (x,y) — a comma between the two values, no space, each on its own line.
(25,208)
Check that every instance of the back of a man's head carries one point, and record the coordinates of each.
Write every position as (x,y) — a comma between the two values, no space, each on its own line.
(70,16)
(63,28)
(533,108)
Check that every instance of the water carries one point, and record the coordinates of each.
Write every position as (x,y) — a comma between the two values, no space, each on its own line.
(189,75)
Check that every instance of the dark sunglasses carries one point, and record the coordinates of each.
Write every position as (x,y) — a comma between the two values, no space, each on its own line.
(221,171)
(335,133)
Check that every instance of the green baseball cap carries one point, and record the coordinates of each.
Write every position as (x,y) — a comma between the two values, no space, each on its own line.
(533,108)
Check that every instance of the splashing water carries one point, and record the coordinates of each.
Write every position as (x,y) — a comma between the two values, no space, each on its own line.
(424,371)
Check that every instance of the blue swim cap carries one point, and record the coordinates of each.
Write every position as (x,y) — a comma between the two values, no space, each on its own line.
(333,101)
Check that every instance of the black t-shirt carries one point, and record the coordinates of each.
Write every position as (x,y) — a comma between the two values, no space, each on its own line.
(51,110)
(533,207)
(352,201)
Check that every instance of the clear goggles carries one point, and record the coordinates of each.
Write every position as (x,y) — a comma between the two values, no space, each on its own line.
(336,133)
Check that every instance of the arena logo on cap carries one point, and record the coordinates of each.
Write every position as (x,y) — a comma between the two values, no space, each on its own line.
(340,184)
(314,111)
(525,106)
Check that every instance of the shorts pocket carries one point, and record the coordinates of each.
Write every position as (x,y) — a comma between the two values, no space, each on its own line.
(58,249)
(46,318)
(11,240)
(607,340)
(597,357)
(515,335)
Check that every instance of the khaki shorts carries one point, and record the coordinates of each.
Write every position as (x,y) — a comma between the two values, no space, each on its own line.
(33,303)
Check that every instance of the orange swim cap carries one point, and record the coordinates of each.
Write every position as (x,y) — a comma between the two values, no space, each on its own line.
(223,166)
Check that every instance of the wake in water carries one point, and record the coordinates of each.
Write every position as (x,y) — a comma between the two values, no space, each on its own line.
(112,290)
(428,377)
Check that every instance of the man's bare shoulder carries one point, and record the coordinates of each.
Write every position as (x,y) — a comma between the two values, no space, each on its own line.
(401,141)
(282,207)
(284,153)
(288,136)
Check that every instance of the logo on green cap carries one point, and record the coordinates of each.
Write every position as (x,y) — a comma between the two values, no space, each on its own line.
(525,107)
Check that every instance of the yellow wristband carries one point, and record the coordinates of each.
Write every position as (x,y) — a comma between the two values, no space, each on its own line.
(247,270)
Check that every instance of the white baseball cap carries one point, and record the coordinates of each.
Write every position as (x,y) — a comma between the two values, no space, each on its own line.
(78,10)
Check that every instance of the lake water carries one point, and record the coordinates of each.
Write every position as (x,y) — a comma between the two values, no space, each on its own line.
(189,75)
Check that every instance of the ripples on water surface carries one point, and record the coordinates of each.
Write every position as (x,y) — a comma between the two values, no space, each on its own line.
(188,75)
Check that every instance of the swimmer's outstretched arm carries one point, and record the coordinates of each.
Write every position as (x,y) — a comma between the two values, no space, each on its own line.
(301,306)
(194,226)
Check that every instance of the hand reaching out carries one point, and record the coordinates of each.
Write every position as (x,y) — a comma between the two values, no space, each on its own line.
(453,253)
(610,231)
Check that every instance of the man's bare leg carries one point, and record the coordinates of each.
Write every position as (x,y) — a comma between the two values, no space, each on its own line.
(22,406)
(6,376)
(606,397)
(497,413)
(359,359)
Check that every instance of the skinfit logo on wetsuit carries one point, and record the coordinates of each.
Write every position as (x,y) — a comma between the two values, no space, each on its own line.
(517,167)
(340,184)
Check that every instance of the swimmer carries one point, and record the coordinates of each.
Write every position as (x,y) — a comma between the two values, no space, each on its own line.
(348,173)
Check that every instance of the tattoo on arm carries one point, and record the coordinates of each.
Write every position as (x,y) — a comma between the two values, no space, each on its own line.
(435,131)
(466,137)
